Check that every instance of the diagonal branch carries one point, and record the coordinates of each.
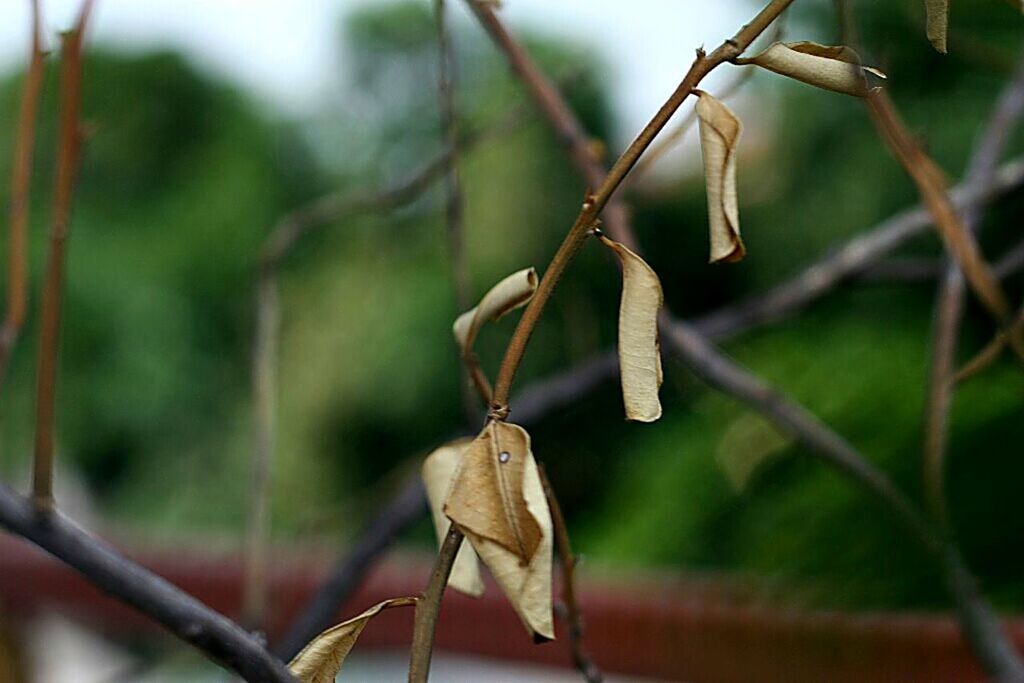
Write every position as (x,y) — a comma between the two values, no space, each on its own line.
(949,303)
(429,606)
(70,145)
(211,633)
(978,622)
(288,231)
(823,276)
(21,183)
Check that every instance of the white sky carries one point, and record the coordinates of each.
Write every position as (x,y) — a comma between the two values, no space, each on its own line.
(277,49)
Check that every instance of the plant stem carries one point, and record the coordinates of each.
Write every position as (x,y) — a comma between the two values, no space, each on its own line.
(21,181)
(593,204)
(428,607)
(574,616)
(70,145)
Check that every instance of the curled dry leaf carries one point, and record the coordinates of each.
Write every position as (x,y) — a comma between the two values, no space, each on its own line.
(719,134)
(937,22)
(498,502)
(438,472)
(321,660)
(506,296)
(832,67)
(639,351)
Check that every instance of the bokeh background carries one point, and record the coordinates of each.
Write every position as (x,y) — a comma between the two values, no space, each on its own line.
(214,119)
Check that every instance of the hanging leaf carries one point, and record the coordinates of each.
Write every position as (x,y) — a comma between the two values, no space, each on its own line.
(639,351)
(438,472)
(498,502)
(719,134)
(514,291)
(937,23)
(321,660)
(832,67)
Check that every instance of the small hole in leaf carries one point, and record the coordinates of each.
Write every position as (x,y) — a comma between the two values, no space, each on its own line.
(503,457)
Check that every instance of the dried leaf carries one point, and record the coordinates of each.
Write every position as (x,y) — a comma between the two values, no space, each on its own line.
(719,134)
(321,660)
(937,23)
(748,444)
(438,472)
(639,351)
(506,296)
(498,502)
(832,67)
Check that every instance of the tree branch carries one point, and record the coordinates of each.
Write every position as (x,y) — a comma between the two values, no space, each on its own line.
(823,276)
(21,184)
(595,202)
(979,623)
(430,604)
(949,302)
(70,145)
(214,635)
(573,615)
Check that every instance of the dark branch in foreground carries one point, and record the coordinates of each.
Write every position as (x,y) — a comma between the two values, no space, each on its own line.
(213,634)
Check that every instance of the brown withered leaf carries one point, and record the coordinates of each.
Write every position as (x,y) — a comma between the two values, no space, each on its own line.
(438,472)
(514,291)
(498,502)
(720,131)
(321,660)
(937,23)
(639,351)
(832,67)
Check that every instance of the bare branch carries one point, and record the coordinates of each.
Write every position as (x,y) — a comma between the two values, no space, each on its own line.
(70,145)
(949,302)
(825,275)
(211,633)
(429,606)
(21,183)
(573,615)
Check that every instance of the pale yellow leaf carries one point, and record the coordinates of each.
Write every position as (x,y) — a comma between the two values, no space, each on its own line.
(438,472)
(498,502)
(719,135)
(832,67)
(937,22)
(749,443)
(321,660)
(639,352)
(514,291)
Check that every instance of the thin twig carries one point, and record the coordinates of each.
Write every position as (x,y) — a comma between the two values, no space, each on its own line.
(991,351)
(666,141)
(450,137)
(823,276)
(21,183)
(977,620)
(409,504)
(428,607)
(287,232)
(70,145)
(949,302)
(211,633)
(931,185)
(594,203)
(426,619)
(573,615)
